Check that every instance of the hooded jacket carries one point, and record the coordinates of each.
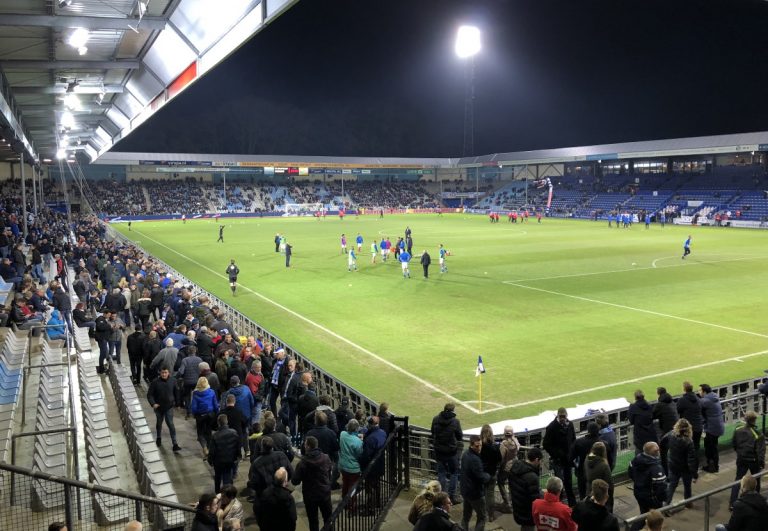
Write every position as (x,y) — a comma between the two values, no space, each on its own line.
(446,434)
(712,412)
(750,513)
(649,480)
(689,408)
(523,489)
(681,456)
(641,418)
(314,470)
(749,445)
(243,400)
(591,516)
(665,412)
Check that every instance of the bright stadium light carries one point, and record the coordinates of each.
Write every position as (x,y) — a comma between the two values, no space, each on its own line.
(61,154)
(72,101)
(78,38)
(67,120)
(467,41)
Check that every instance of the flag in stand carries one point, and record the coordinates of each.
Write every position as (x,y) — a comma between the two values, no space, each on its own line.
(480,367)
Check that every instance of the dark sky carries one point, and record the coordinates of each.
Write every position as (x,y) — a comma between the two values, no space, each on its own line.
(380,78)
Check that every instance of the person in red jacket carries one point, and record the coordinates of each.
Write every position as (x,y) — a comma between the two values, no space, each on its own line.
(549,513)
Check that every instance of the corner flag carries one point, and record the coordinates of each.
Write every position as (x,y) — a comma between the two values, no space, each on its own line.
(480,367)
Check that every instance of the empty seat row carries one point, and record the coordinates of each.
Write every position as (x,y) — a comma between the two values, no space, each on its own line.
(11,360)
(102,466)
(150,468)
(50,450)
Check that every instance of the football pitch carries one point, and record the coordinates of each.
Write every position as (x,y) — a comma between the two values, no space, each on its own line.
(563,313)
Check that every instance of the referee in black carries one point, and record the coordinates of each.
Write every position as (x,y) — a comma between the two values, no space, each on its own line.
(232,272)
(426,260)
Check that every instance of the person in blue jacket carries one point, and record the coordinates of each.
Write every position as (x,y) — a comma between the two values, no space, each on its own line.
(57,332)
(404,259)
(204,406)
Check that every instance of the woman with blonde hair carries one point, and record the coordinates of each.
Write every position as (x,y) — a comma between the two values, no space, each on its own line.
(490,456)
(422,504)
(204,407)
(597,467)
(682,460)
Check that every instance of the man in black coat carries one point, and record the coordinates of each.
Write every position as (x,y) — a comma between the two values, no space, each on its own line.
(641,418)
(559,438)
(162,397)
(135,343)
(327,439)
(223,453)
(665,411)
(473,481)
(276,508)
(524,486)
(440,517)
(314,471)
(102,333)
(592,513)
(426,260)
(446,439)
(205,346)
(689,408)
(749,445)
(649,479)
(750,511)
(263,468)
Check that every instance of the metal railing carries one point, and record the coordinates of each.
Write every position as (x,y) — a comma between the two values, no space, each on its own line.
(636,521)
(368,500)
(108,508)
(243,325)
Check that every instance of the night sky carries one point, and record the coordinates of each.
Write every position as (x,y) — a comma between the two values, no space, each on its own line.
(380,78)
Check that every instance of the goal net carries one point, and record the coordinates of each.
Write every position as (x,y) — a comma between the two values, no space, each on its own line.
(302,209)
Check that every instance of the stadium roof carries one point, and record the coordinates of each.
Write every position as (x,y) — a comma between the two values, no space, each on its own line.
(119,61)
(701,145)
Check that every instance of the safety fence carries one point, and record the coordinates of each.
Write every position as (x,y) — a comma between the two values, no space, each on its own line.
(77,504)
(366,503)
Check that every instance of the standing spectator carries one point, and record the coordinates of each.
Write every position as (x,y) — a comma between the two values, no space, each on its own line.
(223,453)
(649,480)
(103,332)
(314,470)
(549,513)
(189,372)
(280,441)
(665,411)
(473,482)
(689,408)
(440,516)
(593,514)
(327,441)
(579,453)
(343,413)
(144,308)
(276,509)
(166,357)
(135,343)
(204,405)
(351,450)
(559,438)
(162,397)
(152,348)
(750,511)
(263,469)
(237,421)
(508,449)
(115,336)
(682,460)
(243,402)
(230,508)
(446,439)
(205,514)
(255,383)
(641,418)
(423,502)
(426,260)
(714,426)
(749,445)
(490,456)
(374,440)
(597,467)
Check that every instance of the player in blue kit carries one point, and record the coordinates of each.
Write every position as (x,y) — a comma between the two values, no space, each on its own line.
(443,253)
(687,247)
(404,258)
(351,261)
(359,241)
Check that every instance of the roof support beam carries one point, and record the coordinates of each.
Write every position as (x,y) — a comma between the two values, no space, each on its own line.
(93,23)
(107,89)
(24,64)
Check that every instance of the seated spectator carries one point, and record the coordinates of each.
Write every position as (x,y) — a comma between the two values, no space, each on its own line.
(58,332)
(750,510)
(81,318)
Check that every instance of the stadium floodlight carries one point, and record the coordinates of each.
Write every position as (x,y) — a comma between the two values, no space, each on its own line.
(67,120)
(467,41)
(61,153)
(72,101)
(78,38)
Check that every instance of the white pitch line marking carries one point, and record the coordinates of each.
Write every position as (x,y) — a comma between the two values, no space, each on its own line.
(641,310)
(326,330)
(686,264)
(633,380)
(653,264)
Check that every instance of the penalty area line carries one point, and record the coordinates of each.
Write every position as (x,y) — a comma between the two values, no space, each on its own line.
(739,359)
(326,330)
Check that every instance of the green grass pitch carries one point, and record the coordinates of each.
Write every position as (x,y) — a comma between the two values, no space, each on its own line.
(563,312)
